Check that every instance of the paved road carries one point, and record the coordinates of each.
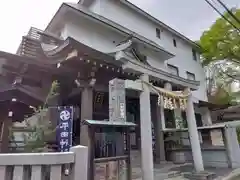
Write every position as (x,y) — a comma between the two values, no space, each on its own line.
(174,171)
(164,170)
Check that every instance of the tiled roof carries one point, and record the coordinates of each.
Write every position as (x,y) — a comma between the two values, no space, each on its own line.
(31,44)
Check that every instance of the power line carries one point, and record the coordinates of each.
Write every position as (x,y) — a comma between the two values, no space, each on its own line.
(230,12)
(210,4)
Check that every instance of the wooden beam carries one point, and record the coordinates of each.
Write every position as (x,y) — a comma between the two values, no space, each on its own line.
(12,70)
(6,124)
(26,79)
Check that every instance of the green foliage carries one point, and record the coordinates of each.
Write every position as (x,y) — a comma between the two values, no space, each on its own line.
(180,122)
(40,132)
(40,129)
(53,91)
(221,58)
(174,139)
(221,41)
(238,134)
(222,96)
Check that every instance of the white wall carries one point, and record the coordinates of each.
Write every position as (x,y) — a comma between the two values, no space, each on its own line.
(92,34)
(130,19)
(119,13)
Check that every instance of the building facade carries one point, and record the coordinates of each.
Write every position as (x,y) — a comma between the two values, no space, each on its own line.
(102,25)
(86,45)
(186,52)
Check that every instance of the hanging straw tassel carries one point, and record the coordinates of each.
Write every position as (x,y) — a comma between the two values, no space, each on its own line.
(159,100)
(170,103)
(175,103)
(165,102)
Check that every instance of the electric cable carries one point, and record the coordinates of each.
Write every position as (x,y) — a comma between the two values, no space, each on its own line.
(210,4)
(229,11)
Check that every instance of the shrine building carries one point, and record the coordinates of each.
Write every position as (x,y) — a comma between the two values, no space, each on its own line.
(86,45)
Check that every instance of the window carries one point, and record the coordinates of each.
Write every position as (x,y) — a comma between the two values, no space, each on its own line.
(194,54)
(198,119)
(206,137)
(158,33)
(190,76)
(174,42)
(197,116)
(169,118)
(173,69)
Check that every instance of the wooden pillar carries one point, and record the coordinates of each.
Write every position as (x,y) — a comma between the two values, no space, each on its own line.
(53,102)
(86,113)
(5,135)
(87,134)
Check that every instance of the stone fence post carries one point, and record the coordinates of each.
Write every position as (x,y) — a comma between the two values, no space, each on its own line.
(80,169)
(232,146)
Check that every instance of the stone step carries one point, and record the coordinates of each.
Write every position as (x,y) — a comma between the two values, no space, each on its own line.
(168,175)
(161,176)
(200,176)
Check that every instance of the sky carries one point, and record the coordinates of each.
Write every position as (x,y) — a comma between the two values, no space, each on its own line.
(190,17)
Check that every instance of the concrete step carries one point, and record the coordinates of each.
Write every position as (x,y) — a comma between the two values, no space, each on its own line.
(168,175)
(161,176)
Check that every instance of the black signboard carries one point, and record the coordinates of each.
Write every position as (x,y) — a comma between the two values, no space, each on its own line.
(64,129)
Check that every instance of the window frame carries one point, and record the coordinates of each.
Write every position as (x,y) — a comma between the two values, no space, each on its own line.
(174,42)
(191,74)
(170,66)
(158,33)
(194,54)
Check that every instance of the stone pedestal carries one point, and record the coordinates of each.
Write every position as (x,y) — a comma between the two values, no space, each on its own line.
(178,157)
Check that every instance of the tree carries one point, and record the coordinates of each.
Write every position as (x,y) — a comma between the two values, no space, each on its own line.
(222,41)
(224,96)
(221,58)
(40,129)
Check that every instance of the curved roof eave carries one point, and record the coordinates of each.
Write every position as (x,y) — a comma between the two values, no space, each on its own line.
(35,99)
